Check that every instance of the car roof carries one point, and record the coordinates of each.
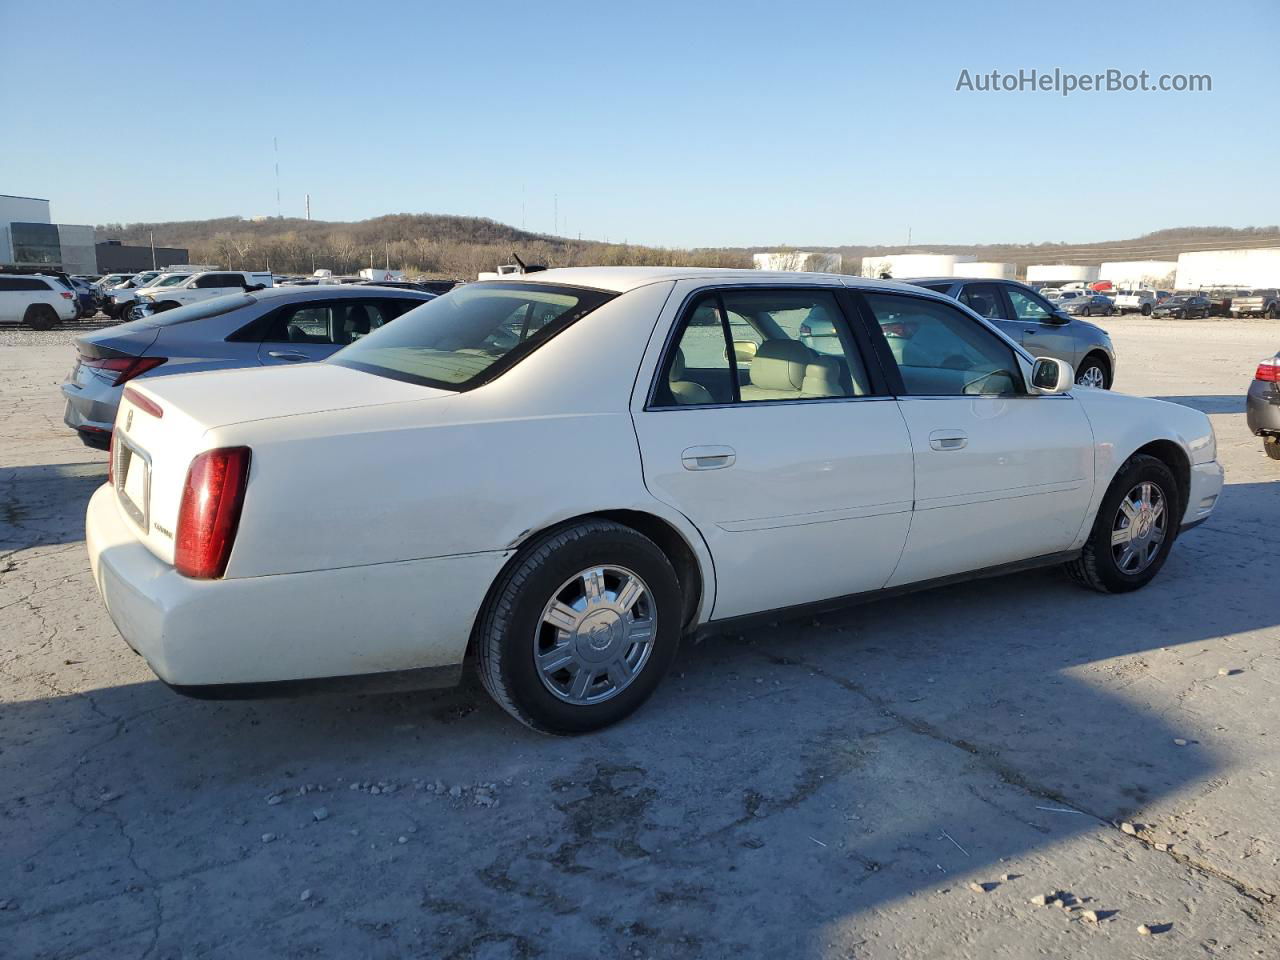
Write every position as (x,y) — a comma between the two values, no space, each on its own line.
(622,279)
(337,291)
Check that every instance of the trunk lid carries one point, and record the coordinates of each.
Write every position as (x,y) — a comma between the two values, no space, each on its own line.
(163,423)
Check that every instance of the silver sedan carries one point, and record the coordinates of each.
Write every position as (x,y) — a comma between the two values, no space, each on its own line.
(279,325)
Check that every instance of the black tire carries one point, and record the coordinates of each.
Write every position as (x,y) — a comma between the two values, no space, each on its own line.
(1096,567)
(1093,363)
(511,617)
(40,316)
(1270,313)
(1272,448)
(1087,312)
(1146,309)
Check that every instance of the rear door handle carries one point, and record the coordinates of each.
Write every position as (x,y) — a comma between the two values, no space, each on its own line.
(708,458)
(287,355)
(948,440)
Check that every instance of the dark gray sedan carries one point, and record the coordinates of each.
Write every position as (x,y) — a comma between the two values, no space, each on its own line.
(278,325)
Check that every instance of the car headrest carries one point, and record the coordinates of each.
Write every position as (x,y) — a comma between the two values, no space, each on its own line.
(780,365)
(822,378)
(677,366)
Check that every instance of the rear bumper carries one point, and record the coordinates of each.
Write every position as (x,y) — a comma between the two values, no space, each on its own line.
(404,623)
(1262,408)
(91,407)
(1206,488)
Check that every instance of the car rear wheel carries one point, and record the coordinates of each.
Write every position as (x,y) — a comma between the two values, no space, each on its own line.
(580,628)
(1146,309)
(1134,529)
(40,316)
(1272,447)
(1270,312)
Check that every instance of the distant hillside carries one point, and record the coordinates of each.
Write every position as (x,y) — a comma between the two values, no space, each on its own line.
(420,243)
(454,246)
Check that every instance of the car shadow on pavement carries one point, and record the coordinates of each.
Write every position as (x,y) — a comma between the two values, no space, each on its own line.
(782,785)
(44,505)
(1212,404)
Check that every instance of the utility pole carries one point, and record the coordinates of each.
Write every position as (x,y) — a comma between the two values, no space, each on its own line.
(275,147)
(387,246)
(153,249)
(308,206)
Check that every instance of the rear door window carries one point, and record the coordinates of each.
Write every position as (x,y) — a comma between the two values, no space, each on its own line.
(984,299)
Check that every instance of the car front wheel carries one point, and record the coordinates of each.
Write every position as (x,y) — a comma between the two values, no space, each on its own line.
(580,628)
(1134,529)
(1092,374)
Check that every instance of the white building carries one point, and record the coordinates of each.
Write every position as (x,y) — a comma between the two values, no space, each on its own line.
(1056,274)
(1139,274)
(1250,269)
(29,238)
(903,265)
(797,260)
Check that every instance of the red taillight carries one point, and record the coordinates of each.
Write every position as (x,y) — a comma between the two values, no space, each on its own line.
(1268,370)
(210,512)
(145,404)
(125,368)
(68,296)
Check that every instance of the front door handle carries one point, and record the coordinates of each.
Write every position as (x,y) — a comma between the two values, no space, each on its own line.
(287,355)
(948,440)
(708,458)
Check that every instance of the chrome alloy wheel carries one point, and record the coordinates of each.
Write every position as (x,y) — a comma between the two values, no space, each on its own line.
(1139,528)
(595,635)
(1092,377)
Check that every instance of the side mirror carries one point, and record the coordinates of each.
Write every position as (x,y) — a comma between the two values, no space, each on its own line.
(1050,376)
(744,351)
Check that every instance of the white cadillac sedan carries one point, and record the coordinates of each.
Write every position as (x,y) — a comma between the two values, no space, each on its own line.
(557,478)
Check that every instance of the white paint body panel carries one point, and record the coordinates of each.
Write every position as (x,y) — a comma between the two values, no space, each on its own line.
(1018,488)
(378,513)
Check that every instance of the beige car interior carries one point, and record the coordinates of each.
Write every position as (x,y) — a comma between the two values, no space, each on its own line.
(780,370)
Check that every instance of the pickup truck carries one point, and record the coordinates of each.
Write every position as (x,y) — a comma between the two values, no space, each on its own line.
(197,287)
(1257,303)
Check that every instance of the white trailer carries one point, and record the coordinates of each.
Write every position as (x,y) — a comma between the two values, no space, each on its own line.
(1249,269)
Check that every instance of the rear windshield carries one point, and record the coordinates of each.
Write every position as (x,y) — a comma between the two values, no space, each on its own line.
(472,334)
(200,310)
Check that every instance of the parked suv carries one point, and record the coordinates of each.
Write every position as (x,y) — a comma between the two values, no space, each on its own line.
(1045,329)
(1259,303)
(1139,301)
(125,297)
(38,301)
(197,287)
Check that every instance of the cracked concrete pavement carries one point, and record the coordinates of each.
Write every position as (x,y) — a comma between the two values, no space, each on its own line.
(823,789)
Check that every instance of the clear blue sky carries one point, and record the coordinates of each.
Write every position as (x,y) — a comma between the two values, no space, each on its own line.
(665,123)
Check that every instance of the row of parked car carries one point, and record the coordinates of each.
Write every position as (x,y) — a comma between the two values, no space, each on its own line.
(1182,305)
(43,300)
